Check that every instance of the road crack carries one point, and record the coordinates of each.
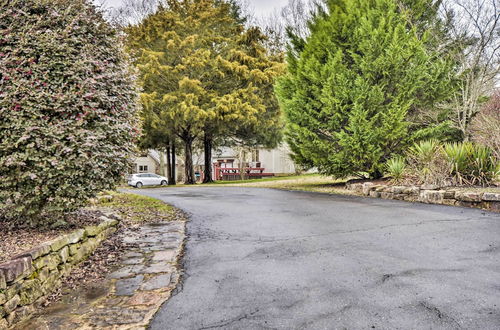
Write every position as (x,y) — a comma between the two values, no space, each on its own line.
(231,321)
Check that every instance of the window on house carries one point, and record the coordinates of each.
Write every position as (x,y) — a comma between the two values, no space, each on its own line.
(143,168)
(255,156)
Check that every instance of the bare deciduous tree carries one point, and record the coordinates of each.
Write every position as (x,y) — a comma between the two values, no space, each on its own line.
(292,18)
(132,11)
(486,126)
(477,24)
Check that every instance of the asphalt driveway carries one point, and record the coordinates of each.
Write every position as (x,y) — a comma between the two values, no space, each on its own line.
(269,259)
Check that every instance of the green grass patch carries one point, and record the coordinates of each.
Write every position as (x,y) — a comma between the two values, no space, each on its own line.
(307,182)
(137,207)
(269,179)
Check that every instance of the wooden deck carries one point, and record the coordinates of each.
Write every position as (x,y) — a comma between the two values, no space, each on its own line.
(233,173)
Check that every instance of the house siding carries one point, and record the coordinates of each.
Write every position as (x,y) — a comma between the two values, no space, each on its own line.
(153,166)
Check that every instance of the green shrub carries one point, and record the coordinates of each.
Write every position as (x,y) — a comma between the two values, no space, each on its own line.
(395,168)
(67,106)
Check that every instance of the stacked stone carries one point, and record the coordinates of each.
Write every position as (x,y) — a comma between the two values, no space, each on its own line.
(429,194)
(28,278)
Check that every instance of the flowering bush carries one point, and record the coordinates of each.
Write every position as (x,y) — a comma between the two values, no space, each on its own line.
(67,106)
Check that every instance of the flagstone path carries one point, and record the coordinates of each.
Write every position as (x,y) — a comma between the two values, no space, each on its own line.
(130,295)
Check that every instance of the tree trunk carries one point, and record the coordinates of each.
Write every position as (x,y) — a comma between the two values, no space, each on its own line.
(207,146)
(242,163)
(162,163)
(169,166)
(188,161)
(174,166)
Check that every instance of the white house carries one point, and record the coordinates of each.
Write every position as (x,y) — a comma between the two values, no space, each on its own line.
(148,162)
(265,161)
(275,161)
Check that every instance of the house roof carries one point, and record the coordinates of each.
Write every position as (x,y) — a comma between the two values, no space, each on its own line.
(155,155)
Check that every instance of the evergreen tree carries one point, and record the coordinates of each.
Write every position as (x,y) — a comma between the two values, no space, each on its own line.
(353,82)
(202,72)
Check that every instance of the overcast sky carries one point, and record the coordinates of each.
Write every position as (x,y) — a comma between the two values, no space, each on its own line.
(261,7)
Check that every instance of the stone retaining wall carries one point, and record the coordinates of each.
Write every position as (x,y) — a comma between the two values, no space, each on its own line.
(429,194)
(28,278)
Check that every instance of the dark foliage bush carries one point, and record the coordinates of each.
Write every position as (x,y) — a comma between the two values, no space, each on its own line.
(67,106)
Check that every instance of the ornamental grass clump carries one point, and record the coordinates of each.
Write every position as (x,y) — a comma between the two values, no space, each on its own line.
(428,164)
(484,166)
(471,164)
(396,168)
(67,107)
(459,163)
(457,155)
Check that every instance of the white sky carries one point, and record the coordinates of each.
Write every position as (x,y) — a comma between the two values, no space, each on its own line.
(261,7)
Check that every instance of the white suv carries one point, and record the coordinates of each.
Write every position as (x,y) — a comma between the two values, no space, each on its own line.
(146,179)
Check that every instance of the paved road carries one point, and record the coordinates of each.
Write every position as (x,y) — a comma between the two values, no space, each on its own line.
(269,259)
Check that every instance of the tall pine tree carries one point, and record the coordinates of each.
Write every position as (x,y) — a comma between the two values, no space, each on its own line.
(352,83)
(204,74)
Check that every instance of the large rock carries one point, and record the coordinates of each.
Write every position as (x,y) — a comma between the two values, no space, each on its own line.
(411,198)
(3,299)
(432,196)
(15,268)
(43,274)
(20,314)
(449,194)
(35,252)
(86,248)
(105,224)
(13,289)
(412,190)
(367,187)
(495,206)
(105,234)
(356,187)
(59,243)
(10,305)
(53,281)
(50,261)
(64,254)
(92,230)
(64,269)
(491,197)
(387,195)
(30,292)
(400,197)
(398,189)
(429,187)
(73,248)
(468,196)
(68,239)
(76,236)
